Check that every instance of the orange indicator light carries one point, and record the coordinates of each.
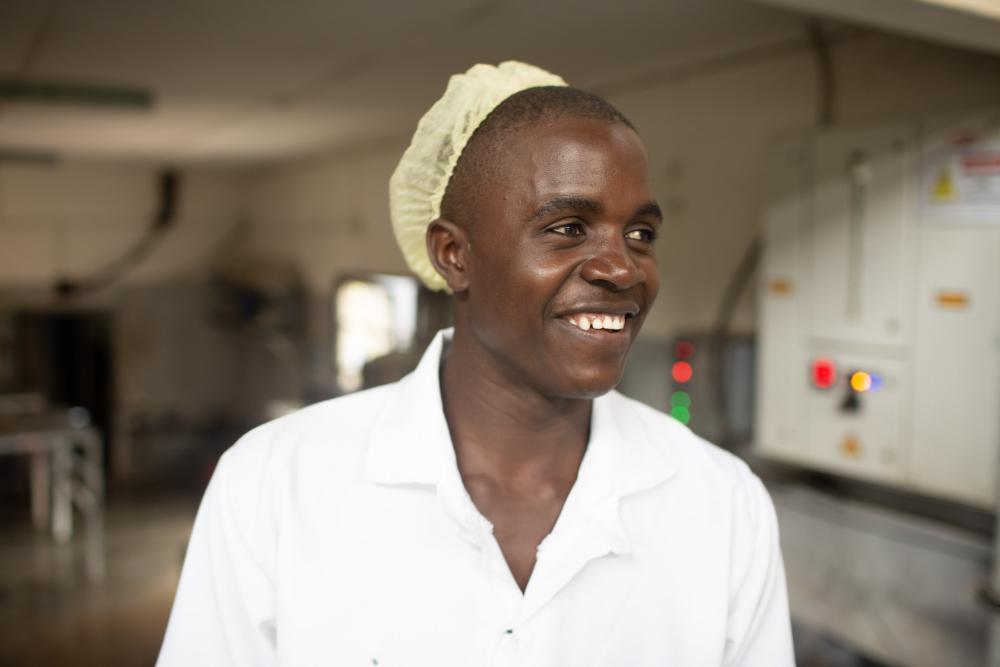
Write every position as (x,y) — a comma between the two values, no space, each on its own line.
(861,381)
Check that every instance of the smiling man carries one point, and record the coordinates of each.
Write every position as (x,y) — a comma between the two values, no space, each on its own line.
(501,505)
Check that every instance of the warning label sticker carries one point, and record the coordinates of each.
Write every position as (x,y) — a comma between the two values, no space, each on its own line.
(961,179)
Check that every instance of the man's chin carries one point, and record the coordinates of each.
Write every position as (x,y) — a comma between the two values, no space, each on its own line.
(592,385)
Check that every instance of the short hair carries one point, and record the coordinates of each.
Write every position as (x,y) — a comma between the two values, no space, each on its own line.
(522,109)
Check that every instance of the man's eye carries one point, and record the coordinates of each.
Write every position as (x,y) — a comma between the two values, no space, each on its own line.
(568,229)
(644,235)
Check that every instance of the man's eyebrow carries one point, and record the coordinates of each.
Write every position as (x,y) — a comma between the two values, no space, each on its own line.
(577,203)
(566,203)
(649,209)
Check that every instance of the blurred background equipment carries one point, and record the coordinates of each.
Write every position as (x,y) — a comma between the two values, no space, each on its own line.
(880,303)
(880,362)
(704,380)
(67,470)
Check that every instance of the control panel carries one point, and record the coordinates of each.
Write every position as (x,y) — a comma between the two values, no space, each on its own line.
(879,307)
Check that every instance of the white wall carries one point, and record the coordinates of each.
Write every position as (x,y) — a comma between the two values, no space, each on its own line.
(330,213)
(71,219)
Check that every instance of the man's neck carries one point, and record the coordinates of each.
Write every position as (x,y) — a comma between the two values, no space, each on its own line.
(506,431)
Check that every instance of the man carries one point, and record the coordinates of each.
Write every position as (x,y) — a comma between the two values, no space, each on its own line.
(501,505)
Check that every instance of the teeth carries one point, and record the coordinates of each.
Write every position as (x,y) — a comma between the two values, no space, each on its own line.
(598,322)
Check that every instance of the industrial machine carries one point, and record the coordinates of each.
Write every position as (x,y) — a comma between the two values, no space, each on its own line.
(879,329)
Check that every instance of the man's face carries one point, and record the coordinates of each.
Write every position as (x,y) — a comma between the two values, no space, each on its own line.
(564,270)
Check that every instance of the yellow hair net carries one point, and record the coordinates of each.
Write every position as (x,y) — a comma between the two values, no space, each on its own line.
(418,184)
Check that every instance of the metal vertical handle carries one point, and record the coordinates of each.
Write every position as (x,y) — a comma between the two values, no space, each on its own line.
(859,176)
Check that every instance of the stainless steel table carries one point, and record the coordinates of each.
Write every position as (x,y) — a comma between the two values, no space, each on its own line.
(67,472)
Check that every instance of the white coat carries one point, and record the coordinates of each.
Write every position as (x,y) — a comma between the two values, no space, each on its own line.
(342,535)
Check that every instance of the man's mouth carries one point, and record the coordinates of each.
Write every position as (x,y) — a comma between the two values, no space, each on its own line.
(598,321)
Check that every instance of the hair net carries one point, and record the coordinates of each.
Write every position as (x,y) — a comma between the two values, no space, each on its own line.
(419,182)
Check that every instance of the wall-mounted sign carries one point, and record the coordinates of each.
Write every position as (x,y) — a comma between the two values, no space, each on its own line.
(961,178)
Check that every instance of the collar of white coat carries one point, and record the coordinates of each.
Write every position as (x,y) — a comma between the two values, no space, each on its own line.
(411,444)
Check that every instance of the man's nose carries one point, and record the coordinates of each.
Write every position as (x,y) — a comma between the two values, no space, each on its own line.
(613,267)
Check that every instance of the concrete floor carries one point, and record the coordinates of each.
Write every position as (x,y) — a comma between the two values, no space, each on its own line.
(51,615)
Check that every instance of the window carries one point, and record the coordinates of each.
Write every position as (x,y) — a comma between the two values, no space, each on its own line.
(374,315)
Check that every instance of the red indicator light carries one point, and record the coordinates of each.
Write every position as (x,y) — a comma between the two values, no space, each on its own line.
(681,372)
(684,349)
(824,373)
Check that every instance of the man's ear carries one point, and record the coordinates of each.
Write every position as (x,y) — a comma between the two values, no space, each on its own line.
(448,249)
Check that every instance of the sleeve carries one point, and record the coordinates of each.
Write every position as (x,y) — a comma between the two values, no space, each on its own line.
(223,613)
(759,630)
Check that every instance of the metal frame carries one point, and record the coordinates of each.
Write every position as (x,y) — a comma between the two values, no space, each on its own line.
(67,470)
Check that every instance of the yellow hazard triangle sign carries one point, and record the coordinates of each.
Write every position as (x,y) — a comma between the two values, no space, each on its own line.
(944,186)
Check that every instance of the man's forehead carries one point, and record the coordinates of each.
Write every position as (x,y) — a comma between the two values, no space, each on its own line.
(574,157)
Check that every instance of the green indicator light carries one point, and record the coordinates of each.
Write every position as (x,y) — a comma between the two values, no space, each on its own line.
(680,399)
(681,414)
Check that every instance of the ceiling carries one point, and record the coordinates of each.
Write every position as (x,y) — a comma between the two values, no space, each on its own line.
(248,80)
(970,24)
